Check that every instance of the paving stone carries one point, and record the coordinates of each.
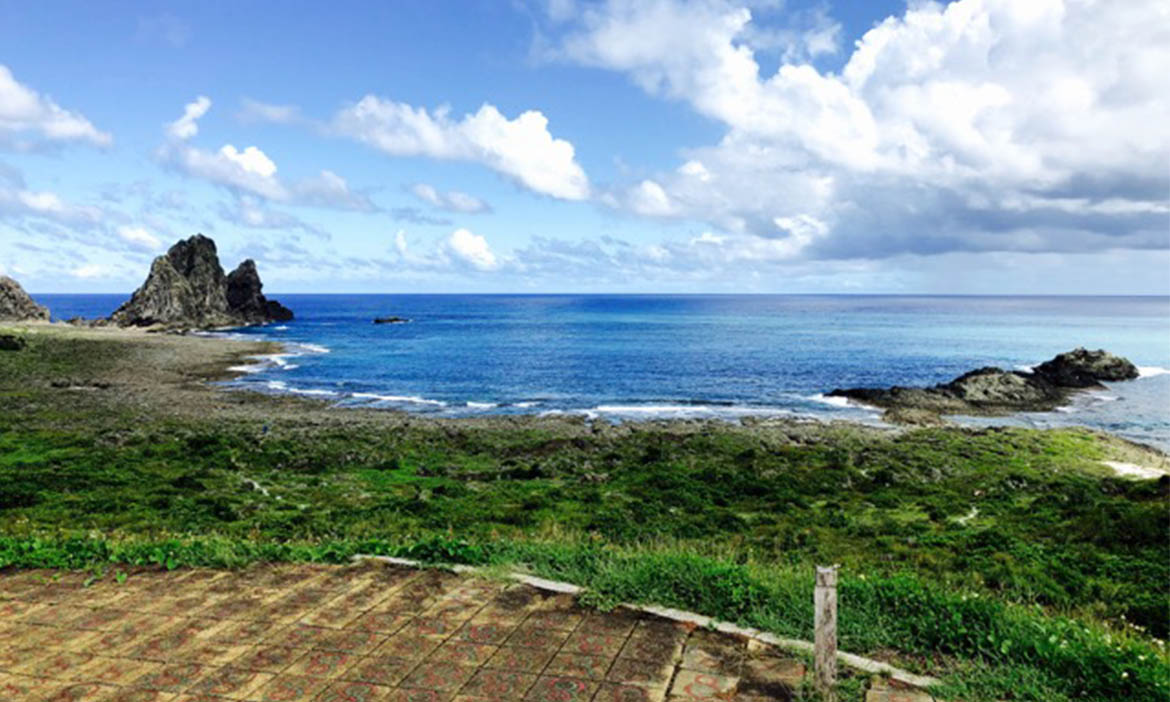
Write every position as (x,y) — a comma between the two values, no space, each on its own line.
(488,684)
(117,671)
(530,636)
(594,644)
(628,671)
(774,669)
(579,665)
(290,688)
(445,677)
(418,695)
(463,653)
(83,692)
(172,678)
(614,692)
(485,633)
(613,624)
(269,659)
(556,619)
(381,622)
(522,660)
(351,641)
(695,685)
(230,682)
(708,653)
(409,645)
(347,691)
(552,688)
(322,664)
(139,695)
(380,670)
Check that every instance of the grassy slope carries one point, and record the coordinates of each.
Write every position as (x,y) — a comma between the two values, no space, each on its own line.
(724,520)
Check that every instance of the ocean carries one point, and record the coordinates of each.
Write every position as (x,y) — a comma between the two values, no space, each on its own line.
(628,357)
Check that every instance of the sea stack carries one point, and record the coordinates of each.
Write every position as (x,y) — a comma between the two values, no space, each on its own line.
(994,391)
(187,289)
(16,305)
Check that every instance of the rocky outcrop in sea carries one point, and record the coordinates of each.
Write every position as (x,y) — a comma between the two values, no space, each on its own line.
(994,391)
(187,289)
(16,305)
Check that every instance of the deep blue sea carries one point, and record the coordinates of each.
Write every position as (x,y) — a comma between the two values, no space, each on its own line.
(655,356)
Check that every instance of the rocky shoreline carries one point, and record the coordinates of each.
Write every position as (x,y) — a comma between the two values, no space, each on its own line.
(992,391)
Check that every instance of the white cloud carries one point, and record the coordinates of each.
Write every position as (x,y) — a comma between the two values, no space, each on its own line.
(251,160)
(471,249)
(23,110)
(139,238)
(256,111)
(452,200)
(521,148)
(90,270)
(21,202)
(187,126)
(978,125)
(648,198)
(251,171)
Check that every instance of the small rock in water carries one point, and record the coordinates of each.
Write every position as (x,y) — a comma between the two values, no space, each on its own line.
(390,320)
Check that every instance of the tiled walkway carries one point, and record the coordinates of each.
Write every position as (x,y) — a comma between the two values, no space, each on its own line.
(371,633)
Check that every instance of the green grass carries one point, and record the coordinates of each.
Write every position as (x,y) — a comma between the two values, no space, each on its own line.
(1007,561)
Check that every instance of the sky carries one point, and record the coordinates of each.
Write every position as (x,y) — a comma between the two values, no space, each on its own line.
(625,146)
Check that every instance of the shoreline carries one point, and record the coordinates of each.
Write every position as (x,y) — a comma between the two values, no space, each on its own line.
(193,372)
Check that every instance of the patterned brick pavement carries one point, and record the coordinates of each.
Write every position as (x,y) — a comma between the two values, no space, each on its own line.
(369,633)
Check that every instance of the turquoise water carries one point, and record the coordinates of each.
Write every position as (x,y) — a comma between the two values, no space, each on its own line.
(639,357)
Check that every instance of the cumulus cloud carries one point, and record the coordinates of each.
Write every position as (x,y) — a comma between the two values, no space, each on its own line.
(139,238)
(471,249)
(521,148)
(187,126)
(981,125)
(250,171)
(23,111)
(452,200)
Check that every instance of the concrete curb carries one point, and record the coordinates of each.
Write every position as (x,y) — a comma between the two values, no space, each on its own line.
(853,661)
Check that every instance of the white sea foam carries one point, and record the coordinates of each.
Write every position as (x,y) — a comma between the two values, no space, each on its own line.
(1151,371)
(481,405)
(410,399)
(249,368)
(526,405)
(312,391)
(830,400)
(310,348)
(682,411)
(1026,369)
(281,328)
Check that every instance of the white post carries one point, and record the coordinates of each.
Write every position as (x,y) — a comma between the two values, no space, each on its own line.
(825,621)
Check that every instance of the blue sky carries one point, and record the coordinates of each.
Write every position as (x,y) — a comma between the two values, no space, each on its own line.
(982,146)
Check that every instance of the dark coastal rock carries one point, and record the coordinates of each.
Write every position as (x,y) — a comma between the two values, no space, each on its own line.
(245,299)
(187,289)
(1081,368)
(992,391)
(391,320)
(16,305)
(12,342)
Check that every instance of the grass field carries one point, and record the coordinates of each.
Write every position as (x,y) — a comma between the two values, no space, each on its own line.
(1009,562)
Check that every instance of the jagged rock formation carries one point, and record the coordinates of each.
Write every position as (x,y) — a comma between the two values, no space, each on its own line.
(245,299)
(16,305)
(187,289)
(991,391)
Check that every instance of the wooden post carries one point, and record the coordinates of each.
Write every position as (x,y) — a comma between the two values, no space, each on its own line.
(825,621)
